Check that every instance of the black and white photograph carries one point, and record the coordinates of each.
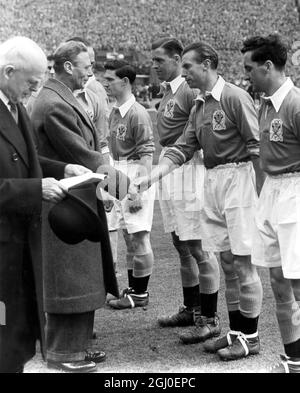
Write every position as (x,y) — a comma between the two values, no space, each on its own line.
(150,189)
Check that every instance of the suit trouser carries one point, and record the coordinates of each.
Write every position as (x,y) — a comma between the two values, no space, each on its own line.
(17,289)
(68,335)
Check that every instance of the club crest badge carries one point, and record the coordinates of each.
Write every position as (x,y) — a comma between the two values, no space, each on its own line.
(276,131)
(169,109)
(219,120)
(121,132)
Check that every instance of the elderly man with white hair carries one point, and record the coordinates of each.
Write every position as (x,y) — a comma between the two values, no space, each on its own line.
(24,183)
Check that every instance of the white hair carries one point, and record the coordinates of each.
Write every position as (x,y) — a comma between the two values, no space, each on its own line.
(22,52)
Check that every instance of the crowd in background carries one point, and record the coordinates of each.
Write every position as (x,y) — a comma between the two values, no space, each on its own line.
(123,25)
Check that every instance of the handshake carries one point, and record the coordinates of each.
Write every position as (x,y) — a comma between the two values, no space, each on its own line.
(136,187)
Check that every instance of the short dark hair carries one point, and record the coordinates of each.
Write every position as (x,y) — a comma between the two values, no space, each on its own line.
(99,67)
(203,51)
(266,48)
(79,39)
(122,68)
(172,46)
(67,51)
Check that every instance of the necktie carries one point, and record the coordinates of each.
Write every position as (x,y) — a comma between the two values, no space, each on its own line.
(14,111)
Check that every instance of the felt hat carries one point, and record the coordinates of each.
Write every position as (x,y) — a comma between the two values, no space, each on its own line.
(75,218)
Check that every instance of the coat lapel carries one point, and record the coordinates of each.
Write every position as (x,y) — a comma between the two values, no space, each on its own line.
(12,132)
(24,123)
(66,94)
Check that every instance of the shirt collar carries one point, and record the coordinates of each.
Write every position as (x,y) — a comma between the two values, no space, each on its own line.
(91,79)
(4,99)
(216,91)
(174,84)
(278,97)
(123,109)
(80,93)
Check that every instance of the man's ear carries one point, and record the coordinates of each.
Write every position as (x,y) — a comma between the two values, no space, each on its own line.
(9,71)
(177,58)
(126,80)
(68,67)
(207,64)
(269,65)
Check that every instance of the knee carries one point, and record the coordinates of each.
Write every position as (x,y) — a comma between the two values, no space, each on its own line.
(244,268)
(195,248)
(227,263)
(140,242)
(180,246)
(281,287)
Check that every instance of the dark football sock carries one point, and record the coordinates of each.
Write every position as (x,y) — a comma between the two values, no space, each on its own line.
(209,304)
(293,349)
(248,325)
(235,320)
(140,284)
(130,277)
(191,297)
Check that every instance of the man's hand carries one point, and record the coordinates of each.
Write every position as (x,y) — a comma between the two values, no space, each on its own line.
(134,203)
(52,190)
(142,183)
(75,170)
(108,201)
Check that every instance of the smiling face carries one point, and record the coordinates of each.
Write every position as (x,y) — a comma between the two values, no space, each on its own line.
(165,66)
(194,72)
(81,70)
(256,74)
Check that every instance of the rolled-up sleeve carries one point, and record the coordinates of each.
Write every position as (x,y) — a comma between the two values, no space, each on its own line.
(247,122)
(186,145)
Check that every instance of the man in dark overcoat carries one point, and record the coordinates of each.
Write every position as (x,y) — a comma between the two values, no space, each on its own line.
(76,277)
(22,188)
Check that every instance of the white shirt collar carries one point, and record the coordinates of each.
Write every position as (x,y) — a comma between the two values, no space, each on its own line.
(4,99)
(123,109)
(80,92)
(216,91)
(174,84)
(280,94)
(91,79)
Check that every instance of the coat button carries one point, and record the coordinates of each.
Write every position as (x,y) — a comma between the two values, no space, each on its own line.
(15,157)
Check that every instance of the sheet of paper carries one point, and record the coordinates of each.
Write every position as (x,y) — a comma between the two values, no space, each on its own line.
(82,179)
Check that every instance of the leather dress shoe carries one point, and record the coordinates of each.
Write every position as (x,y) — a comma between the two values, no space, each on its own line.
(81,366)
(95,356)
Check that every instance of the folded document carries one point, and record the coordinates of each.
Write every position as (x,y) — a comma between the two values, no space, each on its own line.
(82,179)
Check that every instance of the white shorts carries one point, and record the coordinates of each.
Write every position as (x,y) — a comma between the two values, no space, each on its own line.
(181,199)
(228,212)
(120,215)
(113,218)
(277,237)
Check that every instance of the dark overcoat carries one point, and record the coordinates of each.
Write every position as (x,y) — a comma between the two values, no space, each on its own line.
(77,277)
(21,284)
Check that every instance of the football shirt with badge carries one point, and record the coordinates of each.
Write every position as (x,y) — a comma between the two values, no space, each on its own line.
(174,110)
(131,135)
(279,120)
(224,124)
